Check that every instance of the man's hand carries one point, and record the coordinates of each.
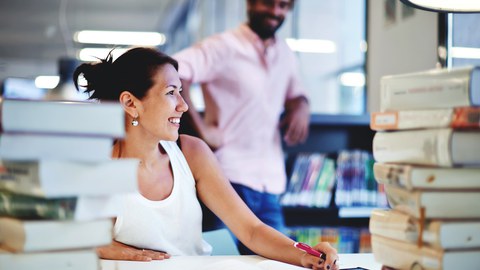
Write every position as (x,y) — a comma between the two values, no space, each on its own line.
(213,137)
(120,251)
(296,120)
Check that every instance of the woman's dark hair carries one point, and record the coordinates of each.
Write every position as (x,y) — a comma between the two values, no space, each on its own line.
(132,71)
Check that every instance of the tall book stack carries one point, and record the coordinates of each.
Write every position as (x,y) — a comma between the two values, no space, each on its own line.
(58,183)
(427,154)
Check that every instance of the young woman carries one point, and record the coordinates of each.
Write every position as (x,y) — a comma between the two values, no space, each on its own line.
(175,171)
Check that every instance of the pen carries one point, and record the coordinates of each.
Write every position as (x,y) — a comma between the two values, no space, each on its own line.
(310,250)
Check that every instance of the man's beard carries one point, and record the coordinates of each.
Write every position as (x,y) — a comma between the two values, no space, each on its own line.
(258,25)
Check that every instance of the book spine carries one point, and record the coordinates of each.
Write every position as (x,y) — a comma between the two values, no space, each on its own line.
(466,117)
(27,207)
(393,224)
(403,255)
(396,175)
(22,177)
(404,200)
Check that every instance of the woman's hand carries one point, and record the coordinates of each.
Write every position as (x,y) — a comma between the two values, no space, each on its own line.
(120,251)
(316,263)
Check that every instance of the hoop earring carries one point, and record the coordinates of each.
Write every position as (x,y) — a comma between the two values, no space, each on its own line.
(135,122)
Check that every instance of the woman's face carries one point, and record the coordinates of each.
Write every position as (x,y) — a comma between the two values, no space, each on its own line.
(163,105)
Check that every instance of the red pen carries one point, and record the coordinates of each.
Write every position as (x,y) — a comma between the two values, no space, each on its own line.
(310,250)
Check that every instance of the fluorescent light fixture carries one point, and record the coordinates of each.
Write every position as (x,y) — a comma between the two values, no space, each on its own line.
(47,82)
(311,45)
(352,79)
(120,38)
(445,5)
(464,52)
(94,54)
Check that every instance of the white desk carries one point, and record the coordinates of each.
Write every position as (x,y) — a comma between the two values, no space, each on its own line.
(232,263)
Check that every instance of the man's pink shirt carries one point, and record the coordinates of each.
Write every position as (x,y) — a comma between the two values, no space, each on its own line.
(245,86)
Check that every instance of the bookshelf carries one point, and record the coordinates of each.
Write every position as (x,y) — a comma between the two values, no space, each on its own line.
(331,134)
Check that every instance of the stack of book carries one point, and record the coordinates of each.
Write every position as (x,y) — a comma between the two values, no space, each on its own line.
(58,183)
(427,154)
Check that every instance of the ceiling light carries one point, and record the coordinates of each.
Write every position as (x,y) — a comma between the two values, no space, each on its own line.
(47,82)
(120,38)
(94,54)
(311,45)
(445,5)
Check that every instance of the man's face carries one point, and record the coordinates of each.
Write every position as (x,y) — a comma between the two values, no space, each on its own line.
(266,16)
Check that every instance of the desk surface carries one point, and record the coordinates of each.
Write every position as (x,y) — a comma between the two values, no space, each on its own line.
(232,263)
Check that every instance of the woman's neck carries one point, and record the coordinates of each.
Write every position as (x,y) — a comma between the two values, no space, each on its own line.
(146,153)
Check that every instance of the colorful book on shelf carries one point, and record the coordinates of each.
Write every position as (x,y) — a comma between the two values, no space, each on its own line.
(353,176)
(63,117)
(29,146)
(430,204)
(404,255)
(426,177)
(324,186)
(457,118)
(18,235)
(439,234)
(77,259)
(80,208)
(297,177)
(58,178)
(438,147)
(436,88)
(307,193)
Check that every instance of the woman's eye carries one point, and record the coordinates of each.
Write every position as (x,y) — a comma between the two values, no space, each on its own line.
(171,92)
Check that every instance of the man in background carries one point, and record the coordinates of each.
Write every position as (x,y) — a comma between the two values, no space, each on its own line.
(249,78)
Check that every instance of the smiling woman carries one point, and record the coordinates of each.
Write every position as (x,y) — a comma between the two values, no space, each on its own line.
(165,218)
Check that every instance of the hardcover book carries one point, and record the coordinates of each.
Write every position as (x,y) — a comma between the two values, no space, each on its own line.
(426,177)
(457,118)
(58,178)
(79,208)
(436,88)
(435,204)
(436,147)
(30,146)
(78,259)
(62,117)
(404,255)
(48,235)
(439,234)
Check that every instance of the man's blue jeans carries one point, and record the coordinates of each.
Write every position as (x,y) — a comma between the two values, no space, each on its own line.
(266,207)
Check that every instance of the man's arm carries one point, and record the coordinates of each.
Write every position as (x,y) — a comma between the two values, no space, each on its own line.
(296,120)
(210,134)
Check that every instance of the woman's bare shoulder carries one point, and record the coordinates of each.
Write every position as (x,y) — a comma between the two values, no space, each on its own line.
(191,145)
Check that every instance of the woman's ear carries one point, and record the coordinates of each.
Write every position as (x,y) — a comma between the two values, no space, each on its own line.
(129,103)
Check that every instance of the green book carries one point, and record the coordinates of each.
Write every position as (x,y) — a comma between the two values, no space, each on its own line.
(28,207)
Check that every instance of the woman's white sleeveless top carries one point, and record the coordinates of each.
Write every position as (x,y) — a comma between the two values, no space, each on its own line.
(173,225)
